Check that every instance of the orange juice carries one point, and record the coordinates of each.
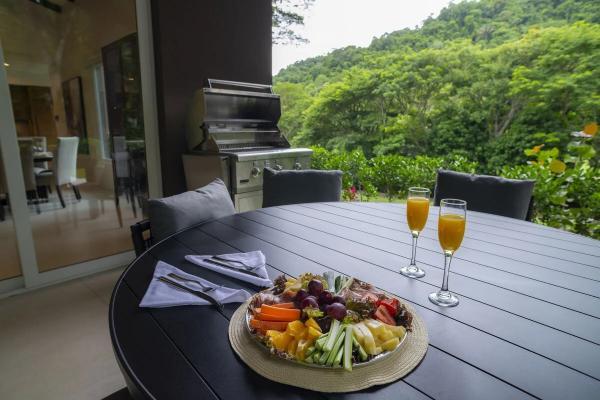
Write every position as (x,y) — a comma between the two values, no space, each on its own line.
(451,229)
(417,210)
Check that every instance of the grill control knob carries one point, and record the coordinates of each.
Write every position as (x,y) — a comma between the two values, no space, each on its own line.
(297,166)
(277,167)
(255,171)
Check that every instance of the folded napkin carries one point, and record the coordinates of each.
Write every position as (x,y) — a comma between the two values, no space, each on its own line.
(161,294)
(253,259)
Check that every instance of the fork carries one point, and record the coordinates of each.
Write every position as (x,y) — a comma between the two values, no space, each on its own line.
(244,265)
(205,288)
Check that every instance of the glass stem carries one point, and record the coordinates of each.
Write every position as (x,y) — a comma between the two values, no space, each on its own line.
(447,261)
(413,258)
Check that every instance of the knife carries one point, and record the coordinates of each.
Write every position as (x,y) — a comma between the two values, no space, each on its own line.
(225,265)
(198,293)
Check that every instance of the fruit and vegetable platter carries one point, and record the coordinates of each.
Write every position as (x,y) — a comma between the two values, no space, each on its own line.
(327,322)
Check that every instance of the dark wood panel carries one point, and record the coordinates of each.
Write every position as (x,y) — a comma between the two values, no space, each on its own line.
(473,245)
(537,375)
(149,355)
(507,226)
(436,363)
(559,279)
(533,252)
(535,309)
(196,40)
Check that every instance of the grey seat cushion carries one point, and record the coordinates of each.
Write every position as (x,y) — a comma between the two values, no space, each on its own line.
(306,186)
(490,194)
(171,214)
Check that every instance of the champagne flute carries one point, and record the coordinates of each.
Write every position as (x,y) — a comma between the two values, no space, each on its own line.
(417,211)
(451,229)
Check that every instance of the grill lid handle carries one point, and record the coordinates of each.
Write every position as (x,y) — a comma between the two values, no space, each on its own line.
(252,87)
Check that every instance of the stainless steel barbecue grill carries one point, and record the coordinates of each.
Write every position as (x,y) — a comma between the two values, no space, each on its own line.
(233,135)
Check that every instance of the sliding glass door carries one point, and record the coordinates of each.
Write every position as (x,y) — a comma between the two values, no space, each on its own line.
(75,136)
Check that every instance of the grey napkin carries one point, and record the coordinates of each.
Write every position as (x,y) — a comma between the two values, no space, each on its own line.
(161,294)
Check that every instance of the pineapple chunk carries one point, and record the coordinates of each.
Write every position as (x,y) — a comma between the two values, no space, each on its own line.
(273,333)
(312,333)
(391,344)
(369,340)
(295,327)
(375,326)
(292,347)
(378,350)
(312,323)
(386,335)
(398,331)
(303,345)
(360,337)
(281,342)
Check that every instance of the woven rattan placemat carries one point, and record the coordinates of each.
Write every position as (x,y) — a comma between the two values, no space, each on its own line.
(386,370)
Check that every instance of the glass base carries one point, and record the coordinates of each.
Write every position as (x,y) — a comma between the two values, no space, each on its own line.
(412,271)
(444,298)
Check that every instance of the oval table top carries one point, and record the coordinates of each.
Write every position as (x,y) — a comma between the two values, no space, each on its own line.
(527,326)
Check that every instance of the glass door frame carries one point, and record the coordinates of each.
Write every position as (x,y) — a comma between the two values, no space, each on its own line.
(31,277)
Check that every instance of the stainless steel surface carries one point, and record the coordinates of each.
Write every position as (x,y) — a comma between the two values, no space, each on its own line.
(234,126)
(197,293)
(225,265)
(205,288)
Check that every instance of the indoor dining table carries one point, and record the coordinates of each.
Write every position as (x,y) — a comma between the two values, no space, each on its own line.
(527,326)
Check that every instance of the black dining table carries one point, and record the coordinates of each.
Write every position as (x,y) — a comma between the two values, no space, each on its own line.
(527,326)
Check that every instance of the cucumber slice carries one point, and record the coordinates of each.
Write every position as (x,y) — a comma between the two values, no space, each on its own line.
(362,354)
(348,348)
(338,345)
(338,358)
(333,334)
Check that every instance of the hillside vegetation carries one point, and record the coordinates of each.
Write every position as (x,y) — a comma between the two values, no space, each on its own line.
(481,80)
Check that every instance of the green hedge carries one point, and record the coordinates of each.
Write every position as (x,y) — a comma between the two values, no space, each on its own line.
(566,194)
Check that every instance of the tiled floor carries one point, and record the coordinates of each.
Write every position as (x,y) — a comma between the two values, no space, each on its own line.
(54,342)
(70,235)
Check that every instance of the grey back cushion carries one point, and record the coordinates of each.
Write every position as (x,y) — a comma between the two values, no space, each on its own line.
(171,214)
(306,186)
(490,194)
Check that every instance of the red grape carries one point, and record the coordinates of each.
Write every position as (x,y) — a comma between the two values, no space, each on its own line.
(325,297)
(309,301)
(338,299)
(300,295)
(337,311)
(315,287)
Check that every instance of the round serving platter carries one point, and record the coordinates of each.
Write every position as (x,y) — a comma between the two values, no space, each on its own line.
(261,343)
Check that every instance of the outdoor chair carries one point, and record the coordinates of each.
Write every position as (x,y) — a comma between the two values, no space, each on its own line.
(490,194)
(172,214)
(305,186)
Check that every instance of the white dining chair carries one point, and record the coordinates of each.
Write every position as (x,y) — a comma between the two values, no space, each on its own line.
(64,168)
(26,153)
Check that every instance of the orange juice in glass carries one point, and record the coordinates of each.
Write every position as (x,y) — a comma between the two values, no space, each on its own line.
(451,230)
(417,211)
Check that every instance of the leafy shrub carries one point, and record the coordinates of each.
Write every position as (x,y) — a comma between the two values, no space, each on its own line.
(389,174)
(567,191)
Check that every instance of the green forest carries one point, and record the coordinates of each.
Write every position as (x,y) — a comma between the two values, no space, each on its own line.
(502,84)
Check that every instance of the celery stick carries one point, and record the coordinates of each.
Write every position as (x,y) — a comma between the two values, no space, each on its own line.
(333,333)
(323,357)
(310,350)
(338,357)
(348,348)
(309,359)
(321,341)
(361,352)
(338,345)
